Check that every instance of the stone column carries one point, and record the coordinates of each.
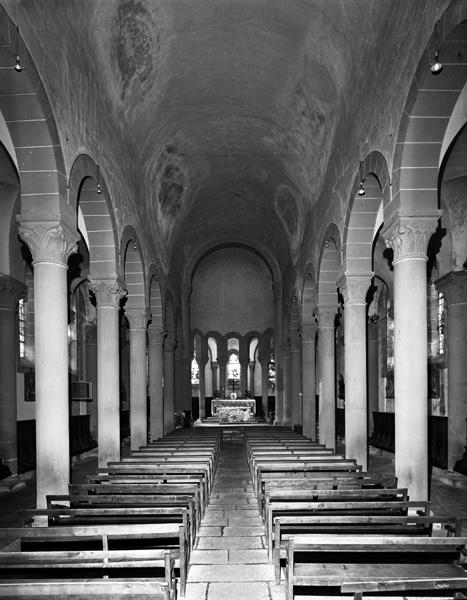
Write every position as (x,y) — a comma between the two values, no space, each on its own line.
(327,409)
(309,380)
(51,243)
(203,359)
(354,289)
(454,287)
(169,406)
(264,384)
(251,377)
(408,237)
(244,360)
(222,362)
(296,379)
(91,375)
(155,375)
(286,387)
(373,369)
(108,294)
(215,383)
(138,321)
(11,290)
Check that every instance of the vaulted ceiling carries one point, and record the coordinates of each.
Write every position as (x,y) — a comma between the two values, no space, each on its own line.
(227,119)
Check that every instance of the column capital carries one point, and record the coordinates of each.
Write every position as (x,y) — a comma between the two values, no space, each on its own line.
(326,316)
(408,235)
(11,290)
(49,241)
(108,293)
(354,288)
(454,287)
(156,335)
(309,332)
(138,318)
(214,365)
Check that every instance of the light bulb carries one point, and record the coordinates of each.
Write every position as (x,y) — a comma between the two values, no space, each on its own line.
(18,66)
(437,66)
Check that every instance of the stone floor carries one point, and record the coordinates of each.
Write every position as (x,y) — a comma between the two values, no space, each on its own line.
(229,561)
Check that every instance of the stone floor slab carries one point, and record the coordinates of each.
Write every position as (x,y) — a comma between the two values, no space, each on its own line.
(240,531)
(231,573)
(209,557)
(211,531)
(234,591)
(196,591)
(248,556)
(226,543)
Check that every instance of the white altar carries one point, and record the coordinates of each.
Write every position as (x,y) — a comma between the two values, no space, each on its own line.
(238,410)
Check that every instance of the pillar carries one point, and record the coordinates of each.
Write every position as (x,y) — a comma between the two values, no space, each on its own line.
(309,380)
(222,363)
(108,294)
(279,387)
(354,289)
(296,380)
(138,320)
(372,369)
(251,378)
(169,380)
(408,236)
(286,404)
(202,361)
(51,243)
(327,408)
(215,383)
(11,290)
(155,378)
(454,287)
(244,360)
(91,375)
(264,385)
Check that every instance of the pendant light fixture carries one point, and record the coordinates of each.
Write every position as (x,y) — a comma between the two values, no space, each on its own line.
(361,189)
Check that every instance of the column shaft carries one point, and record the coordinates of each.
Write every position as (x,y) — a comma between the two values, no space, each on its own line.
(156,390)
(138,390)
(327,408)
(169,407)
(286,387)
(264,387)
(373,372)
(296,383)
(309,381)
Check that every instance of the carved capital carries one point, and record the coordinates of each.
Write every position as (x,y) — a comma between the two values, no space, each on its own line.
(138,318)
(326,316)
(49,241)
(214,365)
(108,293)
(11,290)
(155,335)
(408,235)
(454,287)
(354,289)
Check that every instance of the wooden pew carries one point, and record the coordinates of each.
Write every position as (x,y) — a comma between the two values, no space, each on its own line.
(334,562)
(85,573)
(152,489)
(295,467)
(167,537)
(100,501)
(287,526)
(432,587)
(284,502)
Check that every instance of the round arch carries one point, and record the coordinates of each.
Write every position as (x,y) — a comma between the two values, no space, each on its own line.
(133,269)
(96,211)
(329,267)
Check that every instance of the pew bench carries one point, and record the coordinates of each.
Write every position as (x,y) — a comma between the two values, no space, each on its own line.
(71,574)
(126,501)
(295,468)
(287,526)
(332,563)
(343,507)
(152,489)
(167,537)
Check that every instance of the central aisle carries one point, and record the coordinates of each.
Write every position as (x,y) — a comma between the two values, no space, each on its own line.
(229,561)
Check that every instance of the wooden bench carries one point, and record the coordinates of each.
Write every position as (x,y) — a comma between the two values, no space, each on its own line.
(287,526)
(284,502)
(295,467)
(152,489)
(163,466)
(335,562)
(142,574)
(100,501)
(432,587)
(169,537)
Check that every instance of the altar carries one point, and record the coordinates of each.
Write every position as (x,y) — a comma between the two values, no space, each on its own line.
(238,410)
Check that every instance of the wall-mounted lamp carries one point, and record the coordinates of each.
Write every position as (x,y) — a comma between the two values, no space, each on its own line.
(436,66)
(326,243)
(361,189)
(98,186)
(18,66)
